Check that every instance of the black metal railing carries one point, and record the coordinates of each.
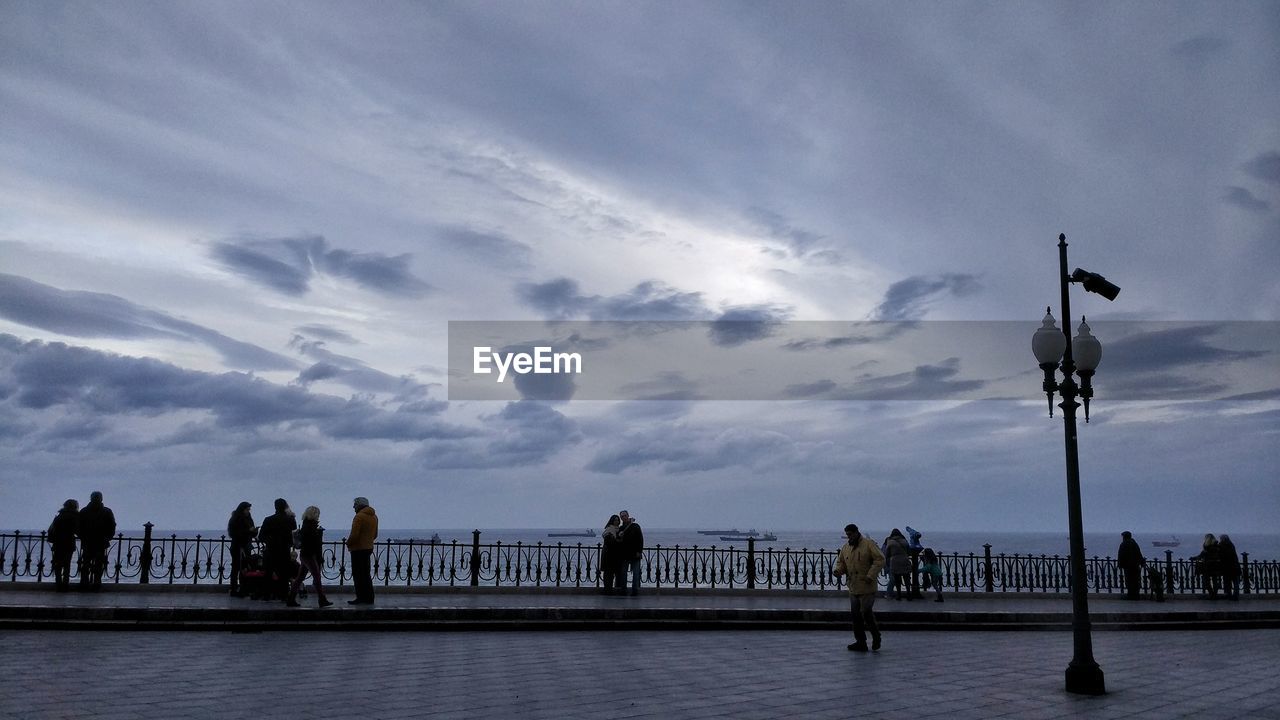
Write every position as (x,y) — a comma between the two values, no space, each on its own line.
(411,563)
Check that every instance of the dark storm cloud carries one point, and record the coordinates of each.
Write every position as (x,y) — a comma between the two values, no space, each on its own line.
(489,248)
(91,315)
(288,264)
(54,374)
(745,323)
(1242,198)
(667,386)
(1265,166)
(561,299)
(524,433)
(908,299)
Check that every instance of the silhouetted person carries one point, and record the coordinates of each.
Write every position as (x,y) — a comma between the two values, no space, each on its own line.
(62,536)
(1230,567)
(310,557)
(612,559)
(97,526)
(1208,564)
(364,531)
(1130,560)
(861,561)
(241,530)
(276,535)
(632,548)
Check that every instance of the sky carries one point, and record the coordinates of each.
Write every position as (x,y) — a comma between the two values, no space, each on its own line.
(233,237)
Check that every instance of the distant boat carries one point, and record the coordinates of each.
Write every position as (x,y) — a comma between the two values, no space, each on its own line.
(750,533)
(743,537)
(584,533)
(433,540)
(1170,543)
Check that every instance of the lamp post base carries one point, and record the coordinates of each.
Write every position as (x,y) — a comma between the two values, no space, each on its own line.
(1085,679)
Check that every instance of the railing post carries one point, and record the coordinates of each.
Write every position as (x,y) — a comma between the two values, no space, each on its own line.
(1244,571)
(144,574)
(1168,572)
(475,558)
(751,563)
(986,561)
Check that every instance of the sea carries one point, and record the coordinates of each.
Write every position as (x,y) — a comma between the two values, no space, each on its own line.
(1102,544)
(1260,546)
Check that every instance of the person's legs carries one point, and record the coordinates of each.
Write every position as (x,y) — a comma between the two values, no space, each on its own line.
(310,564)
(361,574)
(867,603)
(635,577)
(237,565)
(608,573)
(620,577)
(937,584)
(1132,582)
(859,624)
(62,569)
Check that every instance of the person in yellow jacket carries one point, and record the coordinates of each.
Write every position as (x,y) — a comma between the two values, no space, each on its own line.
(862,562)
(364,530)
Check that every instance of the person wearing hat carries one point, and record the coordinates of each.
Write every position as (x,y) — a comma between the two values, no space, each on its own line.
(364,530)
(1129,559)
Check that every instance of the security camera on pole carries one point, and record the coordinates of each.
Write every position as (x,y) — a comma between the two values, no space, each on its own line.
(1053,350)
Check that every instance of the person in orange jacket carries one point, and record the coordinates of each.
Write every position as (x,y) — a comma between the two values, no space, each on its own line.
(364,530)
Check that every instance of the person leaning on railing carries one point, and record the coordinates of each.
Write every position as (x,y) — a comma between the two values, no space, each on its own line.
(241,531)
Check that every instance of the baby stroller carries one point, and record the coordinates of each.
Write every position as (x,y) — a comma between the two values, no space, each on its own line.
(253,579)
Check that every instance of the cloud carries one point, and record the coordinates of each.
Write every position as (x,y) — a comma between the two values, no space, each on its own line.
(745,323)
(89,314)
(325,332)
(561,299)
(1200,48)
(524,433)
(1179,347)
(807,390)
(1266,166)
(350,371)
(924,382)
(1242,198)
(682,448)
(49,375)
(799,241)
(909,299)
(287,265)
(493,249)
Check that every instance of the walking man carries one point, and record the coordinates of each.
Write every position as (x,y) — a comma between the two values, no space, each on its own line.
(1129,559)
(364,530)
(632,548)
(97,526)
(862,562)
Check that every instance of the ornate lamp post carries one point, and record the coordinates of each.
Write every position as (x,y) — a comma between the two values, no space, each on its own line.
(1053,350)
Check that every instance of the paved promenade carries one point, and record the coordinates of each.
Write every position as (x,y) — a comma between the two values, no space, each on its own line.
(194,607)
(735,674)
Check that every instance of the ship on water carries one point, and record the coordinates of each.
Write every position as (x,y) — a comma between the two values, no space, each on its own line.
(585,533)
(753,535)
(1172,542)
(750,533)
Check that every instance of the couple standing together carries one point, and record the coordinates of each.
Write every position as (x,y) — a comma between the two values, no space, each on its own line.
(621,554)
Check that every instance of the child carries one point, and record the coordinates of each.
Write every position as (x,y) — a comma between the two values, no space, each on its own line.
(932,569)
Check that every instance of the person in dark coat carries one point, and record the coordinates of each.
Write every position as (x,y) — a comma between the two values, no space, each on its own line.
(1230,563)
(276,535)
(897,556)
(97,527)
(613,562)
(310,557)
(241,530)
(632,549)
(62,536)
(1208,565)
(1130,560)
